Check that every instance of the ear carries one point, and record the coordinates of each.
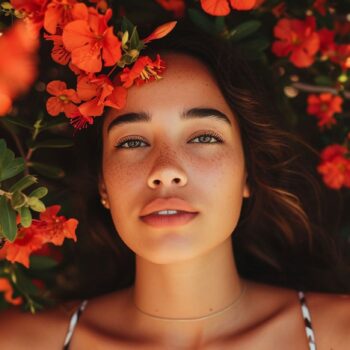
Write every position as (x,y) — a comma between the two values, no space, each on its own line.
(246,189)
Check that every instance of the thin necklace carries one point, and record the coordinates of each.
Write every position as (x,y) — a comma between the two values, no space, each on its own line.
(197,318)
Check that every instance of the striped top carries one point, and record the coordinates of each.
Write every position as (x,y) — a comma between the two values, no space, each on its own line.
(304,310)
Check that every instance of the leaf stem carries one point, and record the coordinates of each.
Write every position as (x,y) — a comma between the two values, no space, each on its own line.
(314,88)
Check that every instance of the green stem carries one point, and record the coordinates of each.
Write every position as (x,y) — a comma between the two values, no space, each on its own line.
(16,139)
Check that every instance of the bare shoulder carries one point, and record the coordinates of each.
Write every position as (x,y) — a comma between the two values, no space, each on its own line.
(43,330)
(330,318)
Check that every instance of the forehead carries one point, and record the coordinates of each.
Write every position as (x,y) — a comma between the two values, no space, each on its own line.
(187,83)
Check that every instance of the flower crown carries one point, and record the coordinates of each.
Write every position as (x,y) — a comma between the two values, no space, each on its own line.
(105,64)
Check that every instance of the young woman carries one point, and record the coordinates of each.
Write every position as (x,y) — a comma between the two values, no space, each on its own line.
(191,171)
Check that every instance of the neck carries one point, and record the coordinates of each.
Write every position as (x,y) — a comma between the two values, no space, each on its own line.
(188,289)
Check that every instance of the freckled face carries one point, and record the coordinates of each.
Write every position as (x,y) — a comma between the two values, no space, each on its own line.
(210,174)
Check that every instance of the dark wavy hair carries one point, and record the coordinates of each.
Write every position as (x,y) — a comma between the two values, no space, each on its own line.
(280,238)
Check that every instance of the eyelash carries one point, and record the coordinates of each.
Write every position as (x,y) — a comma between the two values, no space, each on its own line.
(211,134)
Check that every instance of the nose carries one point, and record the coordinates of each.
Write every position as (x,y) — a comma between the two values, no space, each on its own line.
(167,177)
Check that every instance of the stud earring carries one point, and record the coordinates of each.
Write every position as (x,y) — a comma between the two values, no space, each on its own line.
(104,203)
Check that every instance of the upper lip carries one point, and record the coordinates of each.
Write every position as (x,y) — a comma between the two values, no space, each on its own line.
(172,203)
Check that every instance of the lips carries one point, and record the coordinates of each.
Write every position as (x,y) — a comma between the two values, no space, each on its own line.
(172,203)
(159,221)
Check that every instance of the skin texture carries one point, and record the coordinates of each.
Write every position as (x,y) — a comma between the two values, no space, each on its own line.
(184,271)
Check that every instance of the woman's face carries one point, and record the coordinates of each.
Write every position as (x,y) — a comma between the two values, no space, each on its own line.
(170,158)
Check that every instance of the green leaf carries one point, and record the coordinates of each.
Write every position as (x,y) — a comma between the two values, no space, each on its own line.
(39,192)
(36,204)
(134,39)
(47,170)
(8,226)
(323,80)
(7,156)
(54,143)
(219,24)
(127,25)
(253,49)
(12,168)
(25,284)
(18,200)
(26,216)
(245,29)
(23,183)
(202,21)
(37,262)
(2,150)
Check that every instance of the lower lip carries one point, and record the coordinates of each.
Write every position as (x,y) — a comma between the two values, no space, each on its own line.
(168,220)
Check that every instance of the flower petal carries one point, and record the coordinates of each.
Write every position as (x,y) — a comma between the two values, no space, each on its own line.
(76,34)
(216,7)
(161,31)
(55,87)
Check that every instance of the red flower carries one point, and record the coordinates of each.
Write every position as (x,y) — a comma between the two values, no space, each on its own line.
(342,56)
(327,44)
(142,71)
(63,101)
(88,38)
(34,10)
(279,9)
(7,289)
(49,229)
(99,92)
(176,6)
(222,7)
(298,39)
(58,14)
(320,6)
(324,106)
(17,63)
(335,167)
(59,53)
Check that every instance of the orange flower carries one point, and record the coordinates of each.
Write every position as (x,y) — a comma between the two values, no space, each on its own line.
(160,31)
(324,106)
(176,6)
(7,289)
(298,39)
(59,53)
(87,38)
(34,11)
(63,101)
(222,7)
(54,229)
(58,14)
(99,92)
(335,167)
(17,62)
(142,71)
(49,229)
(243,5)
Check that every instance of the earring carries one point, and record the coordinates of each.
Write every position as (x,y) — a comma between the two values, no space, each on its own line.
(104,203)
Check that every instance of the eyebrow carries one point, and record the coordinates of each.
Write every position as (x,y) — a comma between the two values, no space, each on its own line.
(192,113)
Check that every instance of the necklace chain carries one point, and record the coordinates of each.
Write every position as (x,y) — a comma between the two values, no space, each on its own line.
(197,318)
